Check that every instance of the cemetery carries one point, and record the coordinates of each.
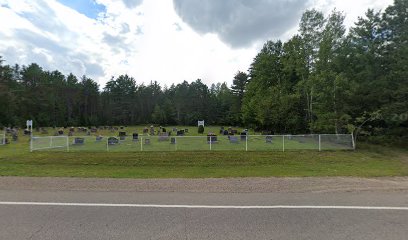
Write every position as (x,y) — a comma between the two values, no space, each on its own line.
(170,138)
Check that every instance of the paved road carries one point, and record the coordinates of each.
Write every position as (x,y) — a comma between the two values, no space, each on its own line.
(201,215)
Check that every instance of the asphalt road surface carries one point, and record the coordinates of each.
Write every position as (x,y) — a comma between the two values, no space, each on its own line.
(310,208)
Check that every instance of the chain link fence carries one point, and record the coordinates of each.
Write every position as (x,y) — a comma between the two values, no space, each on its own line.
(317,142)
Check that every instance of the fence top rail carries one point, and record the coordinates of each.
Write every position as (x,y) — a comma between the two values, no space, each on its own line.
(204,136)
(50,136)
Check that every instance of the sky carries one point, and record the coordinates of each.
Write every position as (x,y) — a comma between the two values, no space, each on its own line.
(167,41)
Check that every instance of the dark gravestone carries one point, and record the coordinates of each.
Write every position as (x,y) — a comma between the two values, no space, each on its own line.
(180,133)
(226,132)
(211,137)
(173,140)
(243,136)
(94,130)
(145,130)
(268,139)
(79,141)
(122,136)
(113,141)
(60,132)
(99,138)
(135,137)
(27,132)
(234,131)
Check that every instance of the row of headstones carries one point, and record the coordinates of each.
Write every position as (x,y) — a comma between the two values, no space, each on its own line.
(162,130)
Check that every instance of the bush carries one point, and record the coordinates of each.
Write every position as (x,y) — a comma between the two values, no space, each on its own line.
(200,129)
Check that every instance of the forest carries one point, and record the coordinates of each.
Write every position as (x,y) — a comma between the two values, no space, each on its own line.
(324,79)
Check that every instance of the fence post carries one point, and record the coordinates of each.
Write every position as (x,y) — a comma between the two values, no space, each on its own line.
(107,144)
(67,143)
(175,143)
(246,142)
(141,144)
(320,144)
(31,142)
(51,141)
(210,142)
(283,143)
(353,142)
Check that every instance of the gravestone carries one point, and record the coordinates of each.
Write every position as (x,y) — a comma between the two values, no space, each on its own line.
(99,138)
(147,141)
(61,132)
(211,137)
(226,132)
(27,132)
(234,131)
(163,137)
(135,137)
(122,136)
(268,139)
(70,134)
(233,139)
(151,130)
(88,133)
(79,141)
(243,136)
(174,129)
(113,141)
(173,140)
(145,130)
(94,130)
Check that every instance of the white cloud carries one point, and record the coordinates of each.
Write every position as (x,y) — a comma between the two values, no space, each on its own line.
(148,40)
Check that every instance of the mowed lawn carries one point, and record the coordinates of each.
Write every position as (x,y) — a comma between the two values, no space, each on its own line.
(366,161)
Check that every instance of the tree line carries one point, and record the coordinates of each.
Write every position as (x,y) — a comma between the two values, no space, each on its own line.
(325,79)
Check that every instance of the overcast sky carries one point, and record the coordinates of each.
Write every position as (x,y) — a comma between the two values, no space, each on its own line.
(164,40)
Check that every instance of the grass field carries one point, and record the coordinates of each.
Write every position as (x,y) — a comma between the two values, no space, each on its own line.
(367,161)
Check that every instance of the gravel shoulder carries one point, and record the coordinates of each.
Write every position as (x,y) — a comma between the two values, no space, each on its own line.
(210,185)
